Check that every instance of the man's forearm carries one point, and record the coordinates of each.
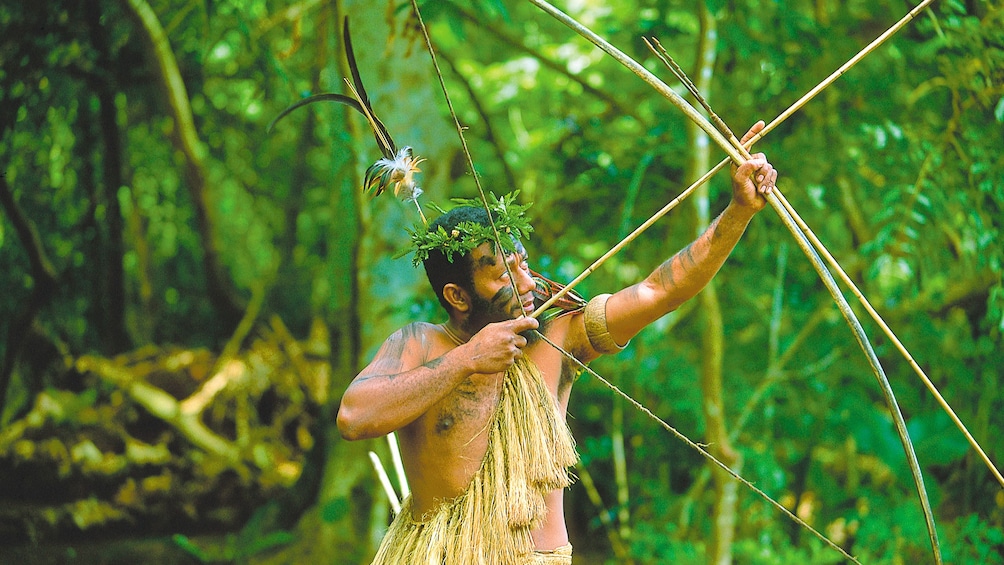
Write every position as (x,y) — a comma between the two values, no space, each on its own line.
(682,276)
(679,278)
(379,402)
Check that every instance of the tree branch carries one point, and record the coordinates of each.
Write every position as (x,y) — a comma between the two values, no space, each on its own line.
(494,141)
(222,294)
(43,276)
(113,301)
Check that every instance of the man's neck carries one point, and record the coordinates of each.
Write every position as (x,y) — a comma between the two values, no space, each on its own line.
(458,335)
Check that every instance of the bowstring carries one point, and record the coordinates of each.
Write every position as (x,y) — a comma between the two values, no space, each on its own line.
(700,448)
(512,282)
(463,142)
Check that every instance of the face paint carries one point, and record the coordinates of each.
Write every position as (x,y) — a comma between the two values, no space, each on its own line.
(484,312)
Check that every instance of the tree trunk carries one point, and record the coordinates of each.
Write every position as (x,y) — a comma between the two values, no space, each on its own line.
(719,549)
(112,298)
(43,275)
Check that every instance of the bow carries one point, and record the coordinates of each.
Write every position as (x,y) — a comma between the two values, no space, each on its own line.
(805,228)
(803,235)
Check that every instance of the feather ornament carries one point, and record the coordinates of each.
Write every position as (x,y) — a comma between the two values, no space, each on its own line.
(546,288)
(396,170)
(397,174)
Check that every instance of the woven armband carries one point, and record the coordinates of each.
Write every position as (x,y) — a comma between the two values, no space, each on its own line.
(596,326)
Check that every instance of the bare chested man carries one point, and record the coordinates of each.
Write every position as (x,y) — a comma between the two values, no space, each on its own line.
(438,385)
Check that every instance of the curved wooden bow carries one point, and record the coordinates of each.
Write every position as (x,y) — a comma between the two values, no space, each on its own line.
(803,235)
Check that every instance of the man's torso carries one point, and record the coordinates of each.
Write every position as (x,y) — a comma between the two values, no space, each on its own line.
(443,449)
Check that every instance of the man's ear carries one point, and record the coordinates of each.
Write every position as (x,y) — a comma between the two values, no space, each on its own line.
(456,297)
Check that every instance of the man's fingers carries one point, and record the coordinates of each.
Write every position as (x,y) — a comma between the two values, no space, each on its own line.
(525,323)
(766,179)
(751,168)
(760,171)
(757,128)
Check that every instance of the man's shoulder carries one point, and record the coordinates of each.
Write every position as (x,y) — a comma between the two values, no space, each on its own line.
(558,324)
(568,330)
(419,338)
(418,330)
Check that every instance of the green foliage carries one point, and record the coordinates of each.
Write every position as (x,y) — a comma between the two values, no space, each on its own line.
(896,166)
(976,542)
(335,509)
(508,218)
(254,539)
(811,553)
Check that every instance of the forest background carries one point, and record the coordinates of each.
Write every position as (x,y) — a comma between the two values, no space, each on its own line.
(187,295)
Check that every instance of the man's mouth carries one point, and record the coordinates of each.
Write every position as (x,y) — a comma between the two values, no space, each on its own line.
(528,307)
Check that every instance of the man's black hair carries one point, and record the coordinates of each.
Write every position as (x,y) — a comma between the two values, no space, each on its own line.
(460,272)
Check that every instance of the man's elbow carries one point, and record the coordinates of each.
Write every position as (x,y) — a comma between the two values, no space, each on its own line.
(349,425)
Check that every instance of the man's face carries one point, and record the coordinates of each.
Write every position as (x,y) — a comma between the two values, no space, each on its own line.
(492,299)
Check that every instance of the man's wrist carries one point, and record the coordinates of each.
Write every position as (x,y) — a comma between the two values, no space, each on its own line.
(738,212)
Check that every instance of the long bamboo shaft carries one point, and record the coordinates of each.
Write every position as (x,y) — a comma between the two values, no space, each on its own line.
(737,156)
(826,254)
(797,105)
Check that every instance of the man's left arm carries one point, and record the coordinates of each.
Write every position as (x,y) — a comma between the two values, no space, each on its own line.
(684,274)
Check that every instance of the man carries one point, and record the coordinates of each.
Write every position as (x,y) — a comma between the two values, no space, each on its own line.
(480,410)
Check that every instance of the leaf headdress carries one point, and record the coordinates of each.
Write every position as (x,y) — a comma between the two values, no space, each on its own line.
(510,219)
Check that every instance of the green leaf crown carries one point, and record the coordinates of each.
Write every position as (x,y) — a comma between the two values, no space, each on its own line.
(509,218)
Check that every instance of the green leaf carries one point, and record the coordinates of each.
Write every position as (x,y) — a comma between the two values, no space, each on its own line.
(188,546)
(936,439)
(269,541)
(334,510)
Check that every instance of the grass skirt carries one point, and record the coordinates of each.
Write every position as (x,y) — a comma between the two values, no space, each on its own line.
(529,451)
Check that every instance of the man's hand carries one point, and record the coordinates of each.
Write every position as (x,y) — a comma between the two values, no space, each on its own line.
(497,346)
(755,178)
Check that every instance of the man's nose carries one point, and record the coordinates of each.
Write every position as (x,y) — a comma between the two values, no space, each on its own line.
(525,282)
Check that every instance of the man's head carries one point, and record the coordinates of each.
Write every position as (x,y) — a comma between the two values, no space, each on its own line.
(476,283)
(438,267)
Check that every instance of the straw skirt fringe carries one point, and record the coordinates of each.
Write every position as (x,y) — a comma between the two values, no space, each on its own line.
(529,451)
(559,556)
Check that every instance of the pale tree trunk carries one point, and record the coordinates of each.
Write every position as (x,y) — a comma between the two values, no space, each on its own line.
(719,547)
(351,513)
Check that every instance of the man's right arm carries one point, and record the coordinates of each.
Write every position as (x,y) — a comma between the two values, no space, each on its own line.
(402,383)
(398,386)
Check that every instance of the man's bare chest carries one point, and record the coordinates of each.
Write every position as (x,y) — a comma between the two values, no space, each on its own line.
(468,409)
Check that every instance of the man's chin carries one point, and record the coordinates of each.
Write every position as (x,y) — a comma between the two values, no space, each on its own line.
(531,336)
